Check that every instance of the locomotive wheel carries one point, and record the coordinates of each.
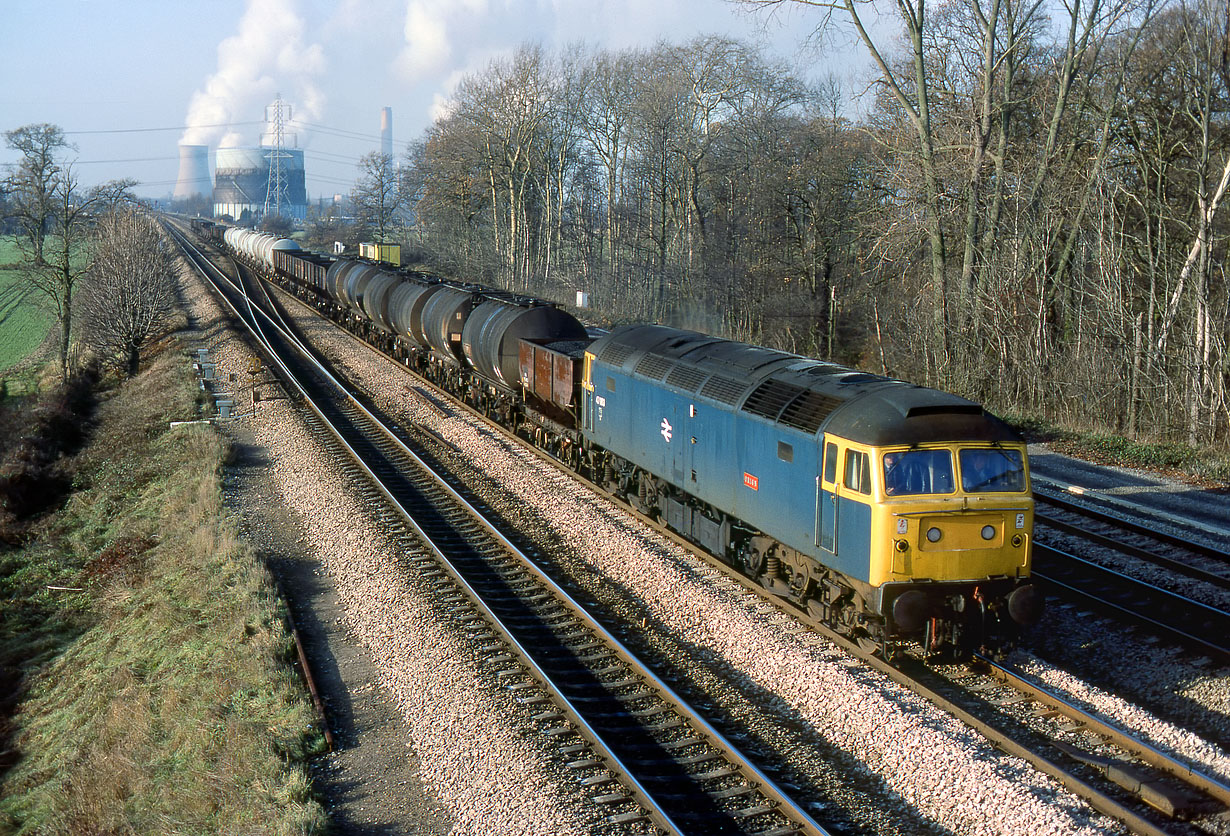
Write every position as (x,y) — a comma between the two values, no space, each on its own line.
(799,575)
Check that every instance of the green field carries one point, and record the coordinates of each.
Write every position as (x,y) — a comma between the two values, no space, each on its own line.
(24,315)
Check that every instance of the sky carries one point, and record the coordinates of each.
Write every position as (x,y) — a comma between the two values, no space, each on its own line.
(130,79)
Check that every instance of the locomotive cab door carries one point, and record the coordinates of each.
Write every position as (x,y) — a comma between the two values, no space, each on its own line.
(826,500)
(587,393)
(682,455)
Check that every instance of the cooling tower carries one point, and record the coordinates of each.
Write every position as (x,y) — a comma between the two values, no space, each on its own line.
(193,172)
(243,181)
(386,132)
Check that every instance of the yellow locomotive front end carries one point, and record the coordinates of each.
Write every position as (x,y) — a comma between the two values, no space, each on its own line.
(952,530)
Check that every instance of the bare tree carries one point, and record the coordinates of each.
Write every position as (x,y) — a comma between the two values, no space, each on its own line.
(127,295)
(54,215)
(376,196)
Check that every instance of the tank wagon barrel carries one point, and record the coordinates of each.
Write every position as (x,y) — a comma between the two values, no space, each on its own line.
(444,316)
(406,303)
(491,338)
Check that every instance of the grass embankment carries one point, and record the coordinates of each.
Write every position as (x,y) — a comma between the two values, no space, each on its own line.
(24,317)
(159,695)
(1205,466)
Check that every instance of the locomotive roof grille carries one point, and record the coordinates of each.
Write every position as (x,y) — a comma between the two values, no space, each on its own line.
(769,398)
(654,366)
(723,389)
(808,411)
(616,353)
(686,377)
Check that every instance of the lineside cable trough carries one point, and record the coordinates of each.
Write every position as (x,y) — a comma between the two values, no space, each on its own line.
(206,371)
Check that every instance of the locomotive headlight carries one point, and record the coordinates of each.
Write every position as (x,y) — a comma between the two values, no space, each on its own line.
(933,534)
(1017,540)
(988,532)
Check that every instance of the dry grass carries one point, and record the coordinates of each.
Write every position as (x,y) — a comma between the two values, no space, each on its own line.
(168,704)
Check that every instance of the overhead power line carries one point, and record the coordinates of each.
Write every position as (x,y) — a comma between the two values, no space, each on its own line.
(341,132)
(129,160)
(173,128)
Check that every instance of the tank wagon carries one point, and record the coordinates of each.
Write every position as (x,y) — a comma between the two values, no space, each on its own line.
(890,511)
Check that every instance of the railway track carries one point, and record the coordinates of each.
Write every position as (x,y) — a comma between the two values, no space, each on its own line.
(1181,555)
(1120,776)
(640,750)
(1175,617)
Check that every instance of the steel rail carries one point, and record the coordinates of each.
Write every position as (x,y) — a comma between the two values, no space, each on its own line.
(1170,563)
(1134,746)
(1057,492)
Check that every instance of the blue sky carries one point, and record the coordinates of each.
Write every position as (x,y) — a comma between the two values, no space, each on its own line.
(100,68)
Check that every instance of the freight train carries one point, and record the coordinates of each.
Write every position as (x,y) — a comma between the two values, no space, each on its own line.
(891,512)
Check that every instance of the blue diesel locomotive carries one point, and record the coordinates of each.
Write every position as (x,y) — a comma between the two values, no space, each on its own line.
(885,509)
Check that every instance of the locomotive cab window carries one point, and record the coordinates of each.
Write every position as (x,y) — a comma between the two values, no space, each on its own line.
(830,463)
(916,472)
(990,469)
(785,452)
(858,471)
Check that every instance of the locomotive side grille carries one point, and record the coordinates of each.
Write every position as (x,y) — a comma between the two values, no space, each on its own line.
(616,353)
(808,411)
(723,389)
(770,397)
(686,377)
(654,366)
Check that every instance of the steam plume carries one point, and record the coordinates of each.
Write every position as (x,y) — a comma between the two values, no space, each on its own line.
(266,56)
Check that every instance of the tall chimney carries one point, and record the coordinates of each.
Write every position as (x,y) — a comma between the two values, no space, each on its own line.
(193,172)
(386,132)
